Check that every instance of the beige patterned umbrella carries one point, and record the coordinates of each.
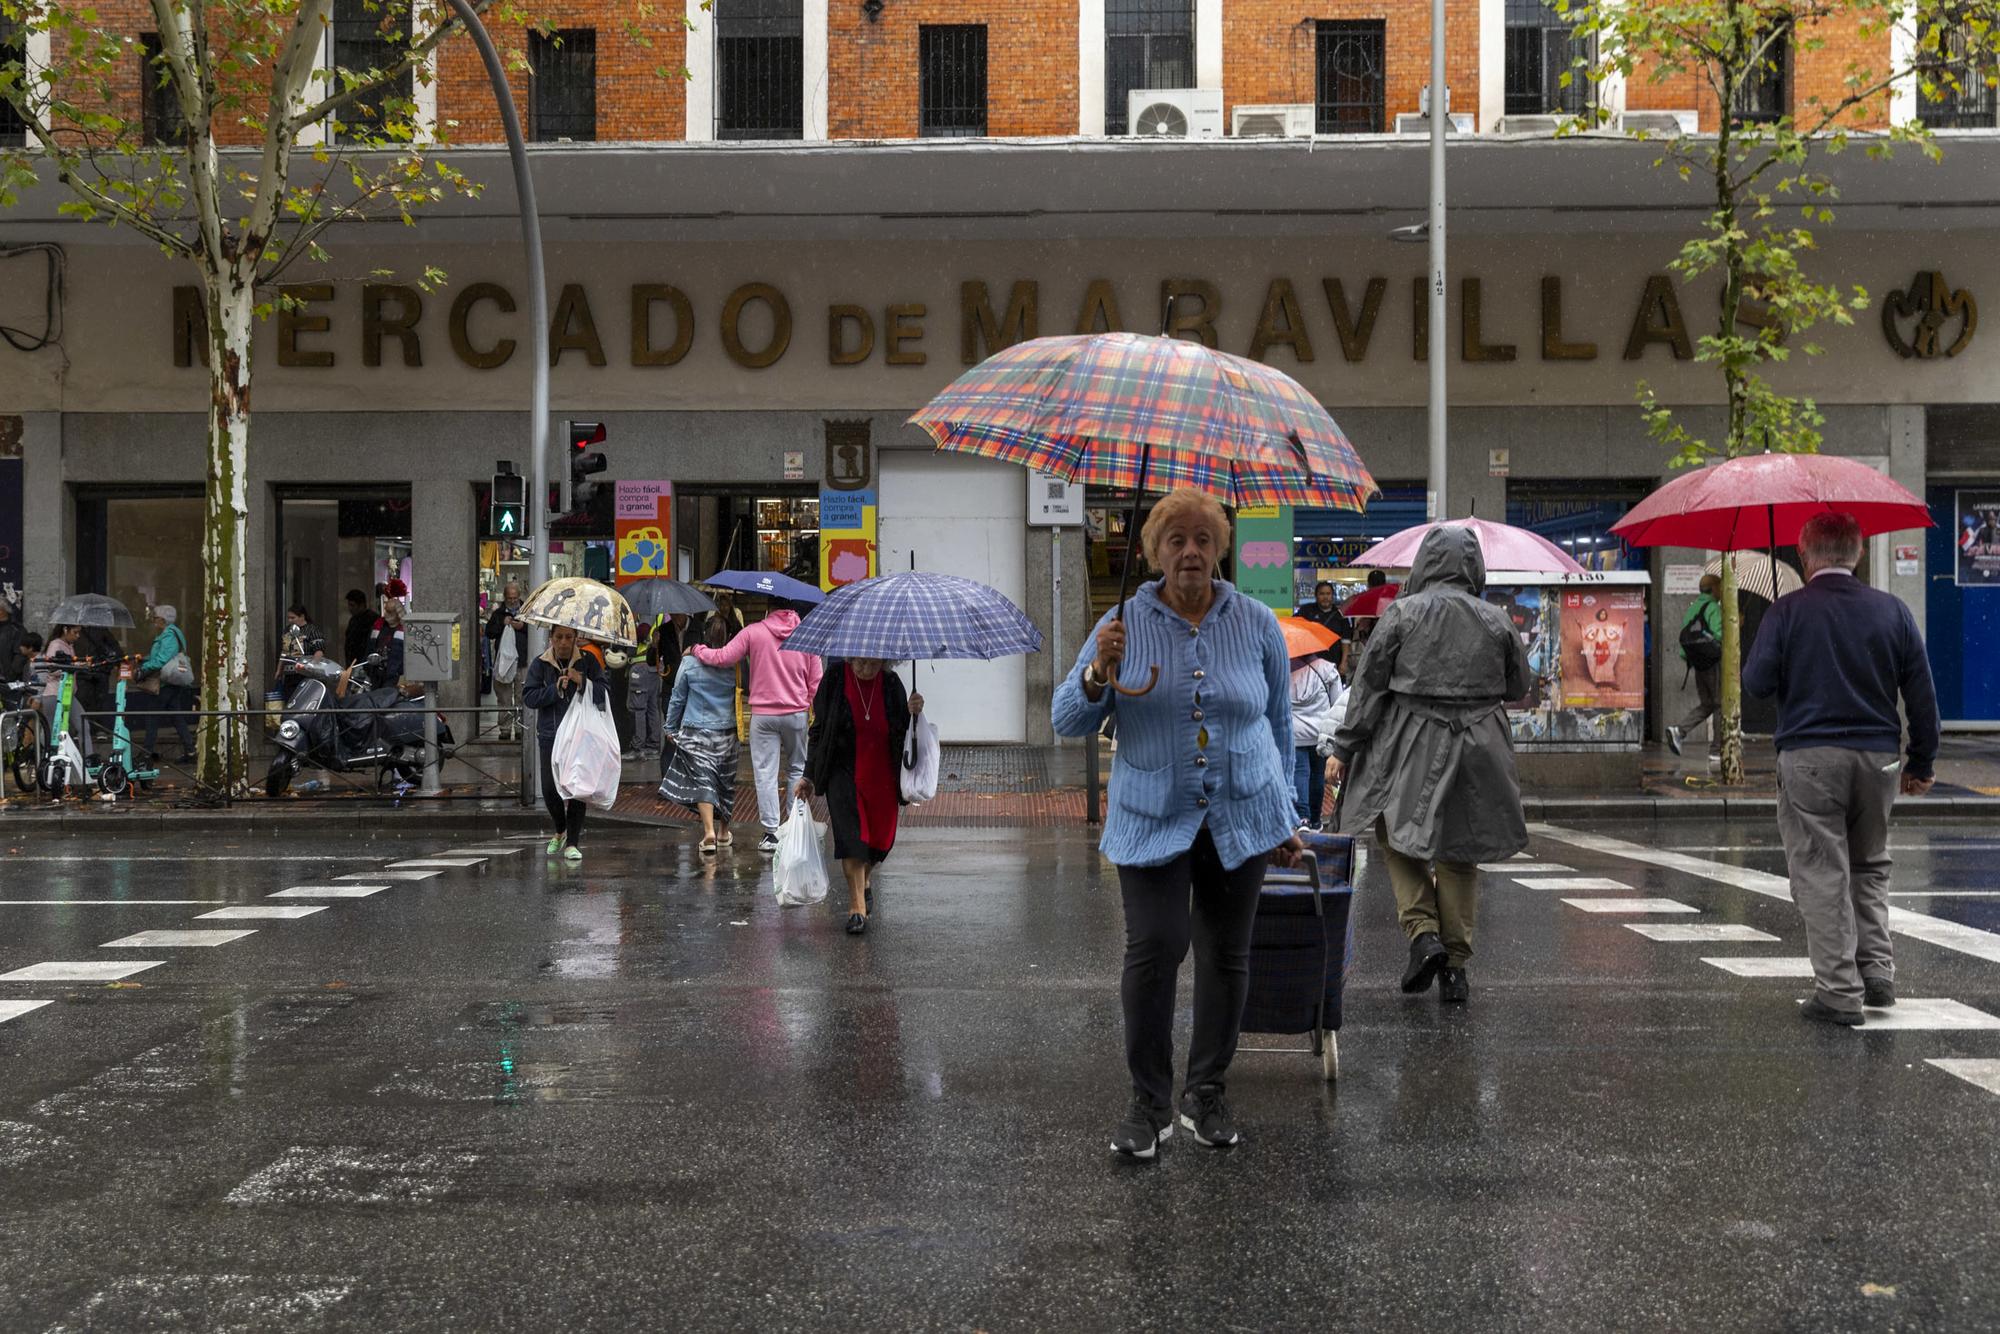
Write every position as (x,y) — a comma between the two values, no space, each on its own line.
(1753,575)
(593,610)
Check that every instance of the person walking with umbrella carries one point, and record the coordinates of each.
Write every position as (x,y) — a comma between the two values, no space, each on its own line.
(555,681)
(1324,612)
(1426,738)
(1201,800)
(860,719)
(782,685)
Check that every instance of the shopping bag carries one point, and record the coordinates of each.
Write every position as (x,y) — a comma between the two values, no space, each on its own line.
(585,758)
(920,761)
(799,873)
(507,660)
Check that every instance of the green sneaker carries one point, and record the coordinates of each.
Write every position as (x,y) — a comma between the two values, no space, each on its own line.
(572,854)
(555,845)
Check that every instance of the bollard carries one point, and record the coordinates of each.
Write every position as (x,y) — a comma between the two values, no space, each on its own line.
(431,787)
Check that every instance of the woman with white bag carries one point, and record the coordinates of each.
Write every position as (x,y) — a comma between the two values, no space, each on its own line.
(854,754)
(554,682)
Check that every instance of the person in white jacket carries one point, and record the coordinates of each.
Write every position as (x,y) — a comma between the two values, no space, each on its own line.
(1318,699)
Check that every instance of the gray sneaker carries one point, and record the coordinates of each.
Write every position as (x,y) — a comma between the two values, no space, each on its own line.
(1205,1114)
(1674,739)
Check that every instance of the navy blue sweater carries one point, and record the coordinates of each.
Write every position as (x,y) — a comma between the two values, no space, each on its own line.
(1836,654)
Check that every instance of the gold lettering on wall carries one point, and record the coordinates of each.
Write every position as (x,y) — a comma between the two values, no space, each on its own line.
(402,326)
(1659,321)
(644,297)
(1354,333)
(838,351)
(190,326)
(461,317)
(897,330)
(295,317)
(573,309)
(1099,312)
(1471,347)
(1553,346)
(978,326)
(1281,323)
(1195,304)
(781,325)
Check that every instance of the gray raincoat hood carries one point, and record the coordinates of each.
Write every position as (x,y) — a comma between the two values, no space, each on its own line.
(1448,557)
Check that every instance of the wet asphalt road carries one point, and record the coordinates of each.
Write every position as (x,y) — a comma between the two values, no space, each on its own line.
(521,1095)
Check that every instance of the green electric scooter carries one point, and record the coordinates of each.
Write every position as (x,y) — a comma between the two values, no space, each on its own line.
(64,768)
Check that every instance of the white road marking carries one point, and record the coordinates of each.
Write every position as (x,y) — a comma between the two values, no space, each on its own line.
(1929,1014)
(1981,1072)
(1523,868)
(437,864)
(328,892)
(1763,967)
(106,970)
(14,1009)
(390,875)
(253,911)
(486,851)
(1609,905)
(100,903)
(183,857)
(1918,926)
(1944,893)
(1572,882)
(1779,847)
(1705,932)
(525,838)
(174,939)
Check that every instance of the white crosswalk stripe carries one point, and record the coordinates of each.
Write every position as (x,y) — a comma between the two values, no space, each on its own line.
(1620,905)
(14,1009)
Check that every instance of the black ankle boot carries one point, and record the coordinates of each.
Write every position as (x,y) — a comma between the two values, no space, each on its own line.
(1454,989)
(1426,957)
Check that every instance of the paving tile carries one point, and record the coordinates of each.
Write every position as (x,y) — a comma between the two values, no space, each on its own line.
(93,970)
(174,939)
(1702,931)
(1631,905)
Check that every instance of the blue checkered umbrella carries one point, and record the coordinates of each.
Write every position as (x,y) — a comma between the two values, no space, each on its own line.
(912,614)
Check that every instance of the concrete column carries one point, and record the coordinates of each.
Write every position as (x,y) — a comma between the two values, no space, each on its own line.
(1909,464)
(1207,44)
(701,72)
(816,62)
(444,538)
(48,520)
(1089,66)
(1492,90)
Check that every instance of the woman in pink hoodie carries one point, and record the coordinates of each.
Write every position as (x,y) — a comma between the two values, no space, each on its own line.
(781,690)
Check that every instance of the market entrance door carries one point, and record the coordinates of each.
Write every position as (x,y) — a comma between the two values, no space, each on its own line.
(1963,609)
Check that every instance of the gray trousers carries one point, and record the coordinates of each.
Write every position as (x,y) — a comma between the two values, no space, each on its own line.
(770,732)
(648,733)
(1708,704)
(1833,810)
(507,694)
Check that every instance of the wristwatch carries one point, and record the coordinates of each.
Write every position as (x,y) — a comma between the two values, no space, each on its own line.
(1092,678)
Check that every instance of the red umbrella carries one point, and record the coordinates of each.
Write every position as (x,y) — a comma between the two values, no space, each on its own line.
(1503,547)
(1370,602)
(1762,500)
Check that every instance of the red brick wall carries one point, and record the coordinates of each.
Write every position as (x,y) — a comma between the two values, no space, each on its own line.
(1818,75)
(635,100)
(1269,51)
(1031,65)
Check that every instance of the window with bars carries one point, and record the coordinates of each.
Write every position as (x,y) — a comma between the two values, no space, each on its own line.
(562,100)
(160,116)
(1350,60)
(760,60)
(951,80)
(1542,46)
(1765,94)
(13,50)
(370,35)
(1147,44)
(1962,95)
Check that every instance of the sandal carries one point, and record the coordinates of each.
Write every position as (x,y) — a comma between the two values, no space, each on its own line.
(856,923)
(726,839)
(707,848)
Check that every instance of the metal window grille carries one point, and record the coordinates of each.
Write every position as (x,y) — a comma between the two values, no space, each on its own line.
(760,61)
(371,35)
(1147,44)
(1350,64)
(1765,94)
(1963,96)
(1542,46)
(159,108)
(562,102)
(951,80)
(13,51)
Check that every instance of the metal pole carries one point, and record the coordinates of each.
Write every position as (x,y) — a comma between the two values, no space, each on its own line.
(1440,114)
(538,332)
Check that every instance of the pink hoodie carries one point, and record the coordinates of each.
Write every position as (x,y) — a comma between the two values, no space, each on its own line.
(780,682)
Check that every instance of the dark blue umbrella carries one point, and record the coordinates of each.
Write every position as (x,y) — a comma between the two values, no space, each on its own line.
(765,583)
(916,615)
(651,599)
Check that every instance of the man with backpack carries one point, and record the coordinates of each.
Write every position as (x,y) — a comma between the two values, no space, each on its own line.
(1701,649)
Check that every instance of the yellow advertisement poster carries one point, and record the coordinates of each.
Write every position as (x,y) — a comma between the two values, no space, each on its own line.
(847,552)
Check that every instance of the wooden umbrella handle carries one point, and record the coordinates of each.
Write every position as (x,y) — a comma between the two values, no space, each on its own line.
(1145,689)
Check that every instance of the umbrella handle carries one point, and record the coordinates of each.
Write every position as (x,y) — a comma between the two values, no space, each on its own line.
(1133,691)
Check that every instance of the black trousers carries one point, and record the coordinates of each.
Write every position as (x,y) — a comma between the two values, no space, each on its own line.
(568,815)
(1190,900)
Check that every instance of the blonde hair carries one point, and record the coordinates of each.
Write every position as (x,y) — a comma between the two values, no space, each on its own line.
(1179,506)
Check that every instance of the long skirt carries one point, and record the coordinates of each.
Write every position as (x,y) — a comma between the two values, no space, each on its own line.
(702,768)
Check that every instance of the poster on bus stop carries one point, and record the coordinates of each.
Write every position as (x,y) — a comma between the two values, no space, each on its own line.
(1978,539)
(1603,648)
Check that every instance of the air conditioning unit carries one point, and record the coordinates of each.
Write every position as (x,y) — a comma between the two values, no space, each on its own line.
(1663,124)
(1174,113)
(1275,120)
(1458,122)
(1550,125)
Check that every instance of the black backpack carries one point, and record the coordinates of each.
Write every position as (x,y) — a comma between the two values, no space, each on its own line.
(1701,649)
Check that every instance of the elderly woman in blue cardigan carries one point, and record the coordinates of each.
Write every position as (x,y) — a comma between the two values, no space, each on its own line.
(1201,800)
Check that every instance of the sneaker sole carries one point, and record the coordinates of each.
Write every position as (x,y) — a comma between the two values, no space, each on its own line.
(1229,1143)
(1146,1155)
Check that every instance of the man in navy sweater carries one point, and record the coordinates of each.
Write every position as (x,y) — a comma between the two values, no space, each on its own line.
(1837,654)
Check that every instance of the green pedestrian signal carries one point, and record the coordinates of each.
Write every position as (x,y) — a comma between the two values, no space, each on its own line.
(507,520)
(508,513)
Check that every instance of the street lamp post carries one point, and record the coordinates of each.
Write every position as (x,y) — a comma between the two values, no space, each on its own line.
(538,330)
(1440,115)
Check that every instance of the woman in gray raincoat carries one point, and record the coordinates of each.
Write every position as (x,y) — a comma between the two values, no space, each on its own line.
(1426,752)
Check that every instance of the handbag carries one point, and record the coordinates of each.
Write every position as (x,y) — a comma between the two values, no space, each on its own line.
(179,670)
(507,659)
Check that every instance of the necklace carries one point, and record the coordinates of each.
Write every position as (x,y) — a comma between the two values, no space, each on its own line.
(868,706)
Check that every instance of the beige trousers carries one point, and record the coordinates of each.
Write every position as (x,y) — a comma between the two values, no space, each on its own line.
(1443,899)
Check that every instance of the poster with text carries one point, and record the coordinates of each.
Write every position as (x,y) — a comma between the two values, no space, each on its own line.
(644,526)
(846,537)
(1604,648)
(1978,539)
(1264,554)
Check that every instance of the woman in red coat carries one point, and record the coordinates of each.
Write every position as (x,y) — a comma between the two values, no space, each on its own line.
(854,754)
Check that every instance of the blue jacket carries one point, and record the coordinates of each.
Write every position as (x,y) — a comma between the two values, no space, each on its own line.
(1837,653)
(166,645)
(704,698)
(1228,677)
(541,691)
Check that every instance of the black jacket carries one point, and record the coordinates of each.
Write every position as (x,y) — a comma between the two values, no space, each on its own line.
(1331,619)
(830,739)
(496,625)
(360,637)
(541,692)
(11,634)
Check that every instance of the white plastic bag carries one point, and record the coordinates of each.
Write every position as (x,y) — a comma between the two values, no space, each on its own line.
(799,872)
(586,757)
(507,660)
(920,761)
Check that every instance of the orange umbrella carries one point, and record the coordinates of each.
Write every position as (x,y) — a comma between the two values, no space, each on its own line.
(1305,638)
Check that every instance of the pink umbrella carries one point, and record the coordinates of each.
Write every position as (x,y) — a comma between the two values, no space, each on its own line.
(1504,548)
(1762,500)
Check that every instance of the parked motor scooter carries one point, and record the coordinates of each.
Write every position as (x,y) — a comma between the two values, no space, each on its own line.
(328,723)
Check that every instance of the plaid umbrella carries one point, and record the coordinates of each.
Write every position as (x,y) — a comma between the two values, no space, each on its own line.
(1152,413)
(912,614)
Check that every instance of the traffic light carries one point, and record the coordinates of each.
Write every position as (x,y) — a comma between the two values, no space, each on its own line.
(508,511)
(573,484)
